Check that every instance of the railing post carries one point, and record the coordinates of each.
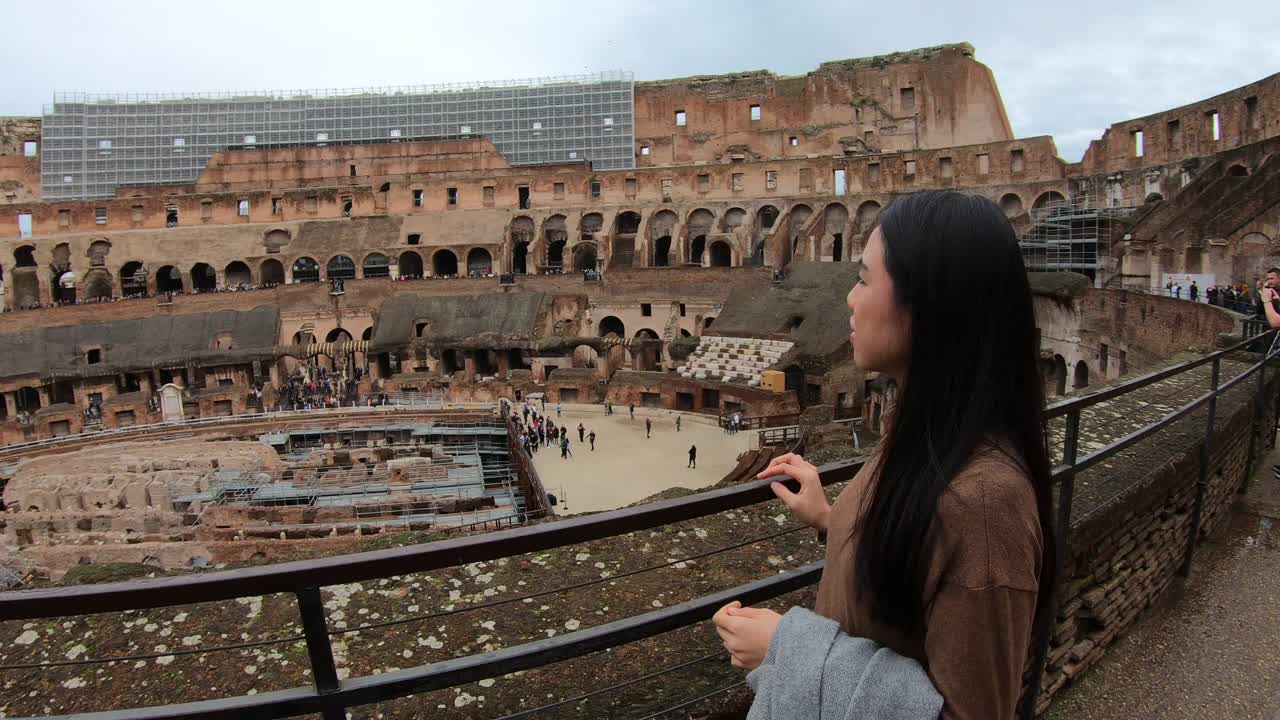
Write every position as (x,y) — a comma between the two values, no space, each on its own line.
(1256,445)
(316,630)
(1202,480)
(1062,535)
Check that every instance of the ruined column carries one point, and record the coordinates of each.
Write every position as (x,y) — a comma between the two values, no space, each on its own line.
(469,365)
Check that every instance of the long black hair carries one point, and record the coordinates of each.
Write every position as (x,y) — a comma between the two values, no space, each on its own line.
(972,377)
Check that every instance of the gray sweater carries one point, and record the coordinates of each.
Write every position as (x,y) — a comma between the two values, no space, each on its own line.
(813,670)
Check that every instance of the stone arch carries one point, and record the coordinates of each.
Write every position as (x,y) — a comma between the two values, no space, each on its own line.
(584,256)
(1047,198)
(626,226)
(97,253)
(340,267)
(133,279)
(611,325)
(521,233)
(338,335)
(306,269)
(203,277)
(63,286)
(697,249)
(591,223)
(444,262)
(835,218)
(555,237)
(699,224)
(721,254)
(1153,198)
(797,221)
(868,214)
(662,227)
(98,285)
(585,356)
(274,239)
(271,272)
(626,222)
(1080,378)
(168,279)
(24,256)
(1238,170)
(766,216)
(1011,204)
(410,264)
(479,262)
(375,265)
(1059,375)
(237,273)
(734,218)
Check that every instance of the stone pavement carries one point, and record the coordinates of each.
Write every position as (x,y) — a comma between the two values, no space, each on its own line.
(626,466)
(1211,648)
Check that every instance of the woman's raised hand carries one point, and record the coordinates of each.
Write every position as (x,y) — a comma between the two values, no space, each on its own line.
(810,504)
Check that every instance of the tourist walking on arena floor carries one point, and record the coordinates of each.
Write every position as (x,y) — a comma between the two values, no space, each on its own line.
(608,407)
(632,409)
(965,603)
(693,456)
(648,427)
(592,437)
(564,447)
(557,409)
(677,423)
(581,430)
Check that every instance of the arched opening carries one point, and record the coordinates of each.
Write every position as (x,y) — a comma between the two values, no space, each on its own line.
(767,216)
(237,274)
(168,279)
(1153,198)
(685,333)
(611,325)
(555,254)
(273,240)
(1059,375)
(63,287)
(625,227)
(1194,260)
(376,265)
(697,248)
(1081,376)
(479,262)
(868,213)
(798,221)
(203,277)
(646,354)
(27,399)
(662,251)
(444,263)
(721,254)
(1238,171)
(734,218)
(98,285)
(627,223)
(520,258)
(272,273)
(555,234)
(25,256)
(341,267)
(585,356)
(584,257)
(521,236)
(1048,199)
(133,279)
(306,269)
(449,362)
(706,322)
(338,335)
(410,265)
(98,251)
(1011,204)
(793,376)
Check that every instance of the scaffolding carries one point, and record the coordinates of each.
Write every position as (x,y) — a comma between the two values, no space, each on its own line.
(1067,234)
(93,143)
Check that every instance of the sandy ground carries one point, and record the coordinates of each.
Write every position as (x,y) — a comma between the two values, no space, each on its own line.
(626,466)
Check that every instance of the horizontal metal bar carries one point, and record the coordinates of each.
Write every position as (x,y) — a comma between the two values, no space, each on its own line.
(462,670)
(323,572)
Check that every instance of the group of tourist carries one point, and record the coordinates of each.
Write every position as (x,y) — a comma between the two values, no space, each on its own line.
(539,430)
(1236,297)
(317,387)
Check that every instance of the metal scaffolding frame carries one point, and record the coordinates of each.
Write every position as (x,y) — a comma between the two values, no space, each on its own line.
(93,143)
(1067,235)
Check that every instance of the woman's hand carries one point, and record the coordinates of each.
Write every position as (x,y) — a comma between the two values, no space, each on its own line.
(810,504)
(746,632)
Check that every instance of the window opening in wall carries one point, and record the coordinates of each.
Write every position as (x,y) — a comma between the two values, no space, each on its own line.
(666,189)
(755,112)
(135,213)
(736,179)
(1215,128)
(946,168)
(908,99)
(30,148)
(910,168)
(206,209)
(681,309)
(1138,148)
(1173,134)
(984,163)
(646,309)
(24,225)
(838,181)
(868,136)
(595,188)
(873,173)
(704,182)
(451,196)
(353,171)
(806,179)
(557,190)
(417,198)
(1016,160)
(1251,120)
(680,117)
(413,239)
(242,207)
(631,187)
(837,247)
(346,206)
(171,216)
(276,205)
(770,179)
(1103,356)
(487,194)
(793,140)
(522,193)
(100,216)
(644,149)
(94,356)
(64,218)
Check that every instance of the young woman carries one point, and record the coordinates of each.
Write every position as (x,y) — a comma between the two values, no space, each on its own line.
(941,547)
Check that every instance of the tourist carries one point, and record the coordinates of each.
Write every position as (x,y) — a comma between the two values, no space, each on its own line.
(592,438)
(677,423)
(557,409)
(608,407)
(632,409)
(564,447)
(1194,292)
(581,431)
(693,456)
(737,422)
(963,602)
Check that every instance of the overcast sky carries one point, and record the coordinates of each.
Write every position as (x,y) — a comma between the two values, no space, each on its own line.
(1066,69)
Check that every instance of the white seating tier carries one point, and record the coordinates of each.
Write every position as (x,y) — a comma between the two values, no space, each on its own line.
(733,359)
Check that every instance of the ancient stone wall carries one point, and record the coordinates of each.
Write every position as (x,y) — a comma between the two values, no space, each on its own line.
(19,160)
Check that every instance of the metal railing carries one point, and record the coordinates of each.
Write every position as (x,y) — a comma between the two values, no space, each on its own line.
(303,579)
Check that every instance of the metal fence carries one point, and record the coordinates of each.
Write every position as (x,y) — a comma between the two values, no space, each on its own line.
(330,697)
